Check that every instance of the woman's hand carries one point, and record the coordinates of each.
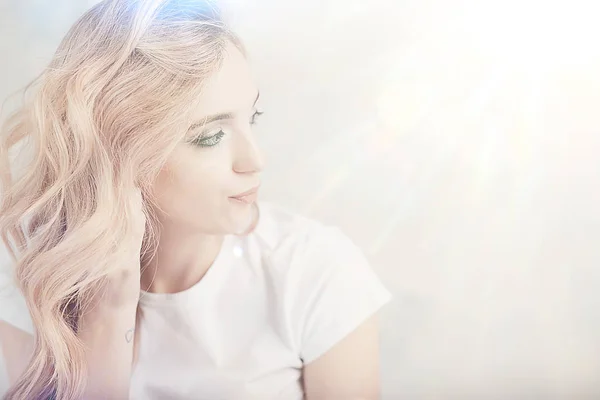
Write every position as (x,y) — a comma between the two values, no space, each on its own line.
(124,283)
(108,330)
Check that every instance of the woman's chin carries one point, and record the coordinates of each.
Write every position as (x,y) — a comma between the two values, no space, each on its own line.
(246,218)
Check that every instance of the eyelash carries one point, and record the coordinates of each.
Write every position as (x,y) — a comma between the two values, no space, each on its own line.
(215,139)
(208,142)
(254,116)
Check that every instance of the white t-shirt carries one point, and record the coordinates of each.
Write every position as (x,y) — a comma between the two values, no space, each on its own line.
(272,301)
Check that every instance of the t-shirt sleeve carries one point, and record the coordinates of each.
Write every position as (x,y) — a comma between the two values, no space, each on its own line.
(338,291)
(13,308)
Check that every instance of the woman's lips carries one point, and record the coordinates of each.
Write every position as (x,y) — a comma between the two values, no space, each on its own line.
(248,197)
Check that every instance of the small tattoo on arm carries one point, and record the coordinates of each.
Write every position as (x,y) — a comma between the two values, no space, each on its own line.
(129,335)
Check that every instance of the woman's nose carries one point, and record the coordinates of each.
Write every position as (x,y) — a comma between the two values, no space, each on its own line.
(248,157)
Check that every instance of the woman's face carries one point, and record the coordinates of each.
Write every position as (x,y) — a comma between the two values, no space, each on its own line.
(219,158)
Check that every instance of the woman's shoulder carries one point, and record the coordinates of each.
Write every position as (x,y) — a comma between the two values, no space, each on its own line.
(290,237)
(283,226)
(16,327)
(325,283)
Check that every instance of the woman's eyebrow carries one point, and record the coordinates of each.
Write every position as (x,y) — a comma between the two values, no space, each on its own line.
(218,117)
(211,119)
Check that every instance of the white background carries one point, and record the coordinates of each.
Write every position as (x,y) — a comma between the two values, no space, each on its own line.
(457,143)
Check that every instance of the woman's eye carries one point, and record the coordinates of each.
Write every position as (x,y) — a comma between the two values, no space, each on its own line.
(254,116)
(210,141)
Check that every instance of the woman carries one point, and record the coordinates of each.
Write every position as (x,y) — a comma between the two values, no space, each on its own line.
(147,265)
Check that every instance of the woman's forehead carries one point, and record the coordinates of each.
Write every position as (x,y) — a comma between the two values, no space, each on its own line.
(230,89)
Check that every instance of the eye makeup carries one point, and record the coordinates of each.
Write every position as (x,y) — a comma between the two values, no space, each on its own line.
(211,140)
(208,141)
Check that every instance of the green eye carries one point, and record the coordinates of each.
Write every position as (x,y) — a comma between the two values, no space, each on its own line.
(208,141)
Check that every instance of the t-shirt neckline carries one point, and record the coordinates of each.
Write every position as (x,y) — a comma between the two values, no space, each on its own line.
(222,258)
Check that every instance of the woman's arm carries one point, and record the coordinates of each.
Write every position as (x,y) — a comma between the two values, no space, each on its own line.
(349,370)
(107,328)
(107,331)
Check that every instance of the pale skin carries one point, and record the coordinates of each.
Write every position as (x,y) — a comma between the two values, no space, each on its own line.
(193,193)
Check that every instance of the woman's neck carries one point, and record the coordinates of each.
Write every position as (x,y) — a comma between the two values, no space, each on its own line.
(181,261)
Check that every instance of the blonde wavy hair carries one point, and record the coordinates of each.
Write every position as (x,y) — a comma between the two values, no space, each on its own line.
(101,120)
